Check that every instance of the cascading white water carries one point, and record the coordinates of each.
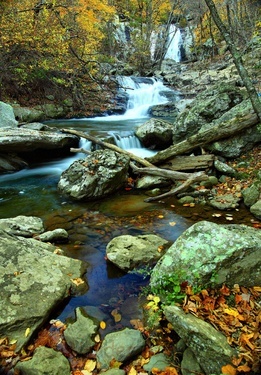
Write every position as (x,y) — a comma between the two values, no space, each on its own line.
(174,44)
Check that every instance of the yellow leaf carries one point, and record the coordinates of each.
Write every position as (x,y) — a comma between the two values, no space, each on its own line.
(172,223)
(160,216)
(132,371)
(102,325)
(116,315)
(90,365)
(231,311)
(27,332)
(97,338)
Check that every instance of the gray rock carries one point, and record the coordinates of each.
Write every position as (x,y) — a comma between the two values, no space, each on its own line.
(189,363)
(225,201)
(33,282)
(209,346)
(224,168)
(207,107)
(121,346)
(155,133)
(11,163)
(251,194)
(56,235)
(230,253)
(25,226)
(164,110)
(80,334)
(45,361)
(128,252)
(159,361)
(96,176)
(28,140)
(256,209)
(7,117)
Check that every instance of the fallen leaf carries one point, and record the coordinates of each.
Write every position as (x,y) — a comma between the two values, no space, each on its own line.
(27,332)
(78,281)
(132,371)
(116,315)
(172,223)
(102,325)
(90,365)
(231,311)
(228,370)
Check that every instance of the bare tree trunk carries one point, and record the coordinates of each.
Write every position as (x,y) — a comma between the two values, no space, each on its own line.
(237,58)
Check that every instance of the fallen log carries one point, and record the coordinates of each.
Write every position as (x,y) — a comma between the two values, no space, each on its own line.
(215,133)
(186,163)
(141,161)
(172,175)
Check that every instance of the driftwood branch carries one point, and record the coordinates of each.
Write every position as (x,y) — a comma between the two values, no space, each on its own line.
(82,150)
(109,146)
(215,133)
(173,175)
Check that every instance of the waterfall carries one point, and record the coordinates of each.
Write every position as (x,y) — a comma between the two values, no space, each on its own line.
(174,44)
(142,93)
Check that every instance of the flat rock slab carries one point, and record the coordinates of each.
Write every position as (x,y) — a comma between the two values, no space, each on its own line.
(33,282)
(27,140)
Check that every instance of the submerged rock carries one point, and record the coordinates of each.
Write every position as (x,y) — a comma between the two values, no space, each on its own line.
(128,252)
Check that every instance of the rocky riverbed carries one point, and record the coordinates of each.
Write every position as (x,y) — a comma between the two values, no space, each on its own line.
(39,277)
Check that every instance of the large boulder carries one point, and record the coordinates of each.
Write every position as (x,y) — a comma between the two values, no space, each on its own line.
(7,117)
(155,133)
(98,175)
(210,253)
(33,282)
(207,107)
(128,252)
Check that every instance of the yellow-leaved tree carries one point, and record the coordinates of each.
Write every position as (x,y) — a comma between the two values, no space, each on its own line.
(50,42)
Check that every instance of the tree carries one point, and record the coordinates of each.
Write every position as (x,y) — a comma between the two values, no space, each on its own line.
(51,42)
(237,58)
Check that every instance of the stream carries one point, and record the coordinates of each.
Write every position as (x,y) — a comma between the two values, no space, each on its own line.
(91,225)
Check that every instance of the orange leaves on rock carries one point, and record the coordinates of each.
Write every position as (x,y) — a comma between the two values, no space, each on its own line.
(236,313)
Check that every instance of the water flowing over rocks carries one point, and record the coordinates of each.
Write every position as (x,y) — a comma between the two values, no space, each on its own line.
(128,252)
(120,346)
(96,176)
(34,279)
(210,253)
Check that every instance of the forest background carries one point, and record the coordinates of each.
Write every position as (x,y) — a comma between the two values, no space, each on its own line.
(59,49)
